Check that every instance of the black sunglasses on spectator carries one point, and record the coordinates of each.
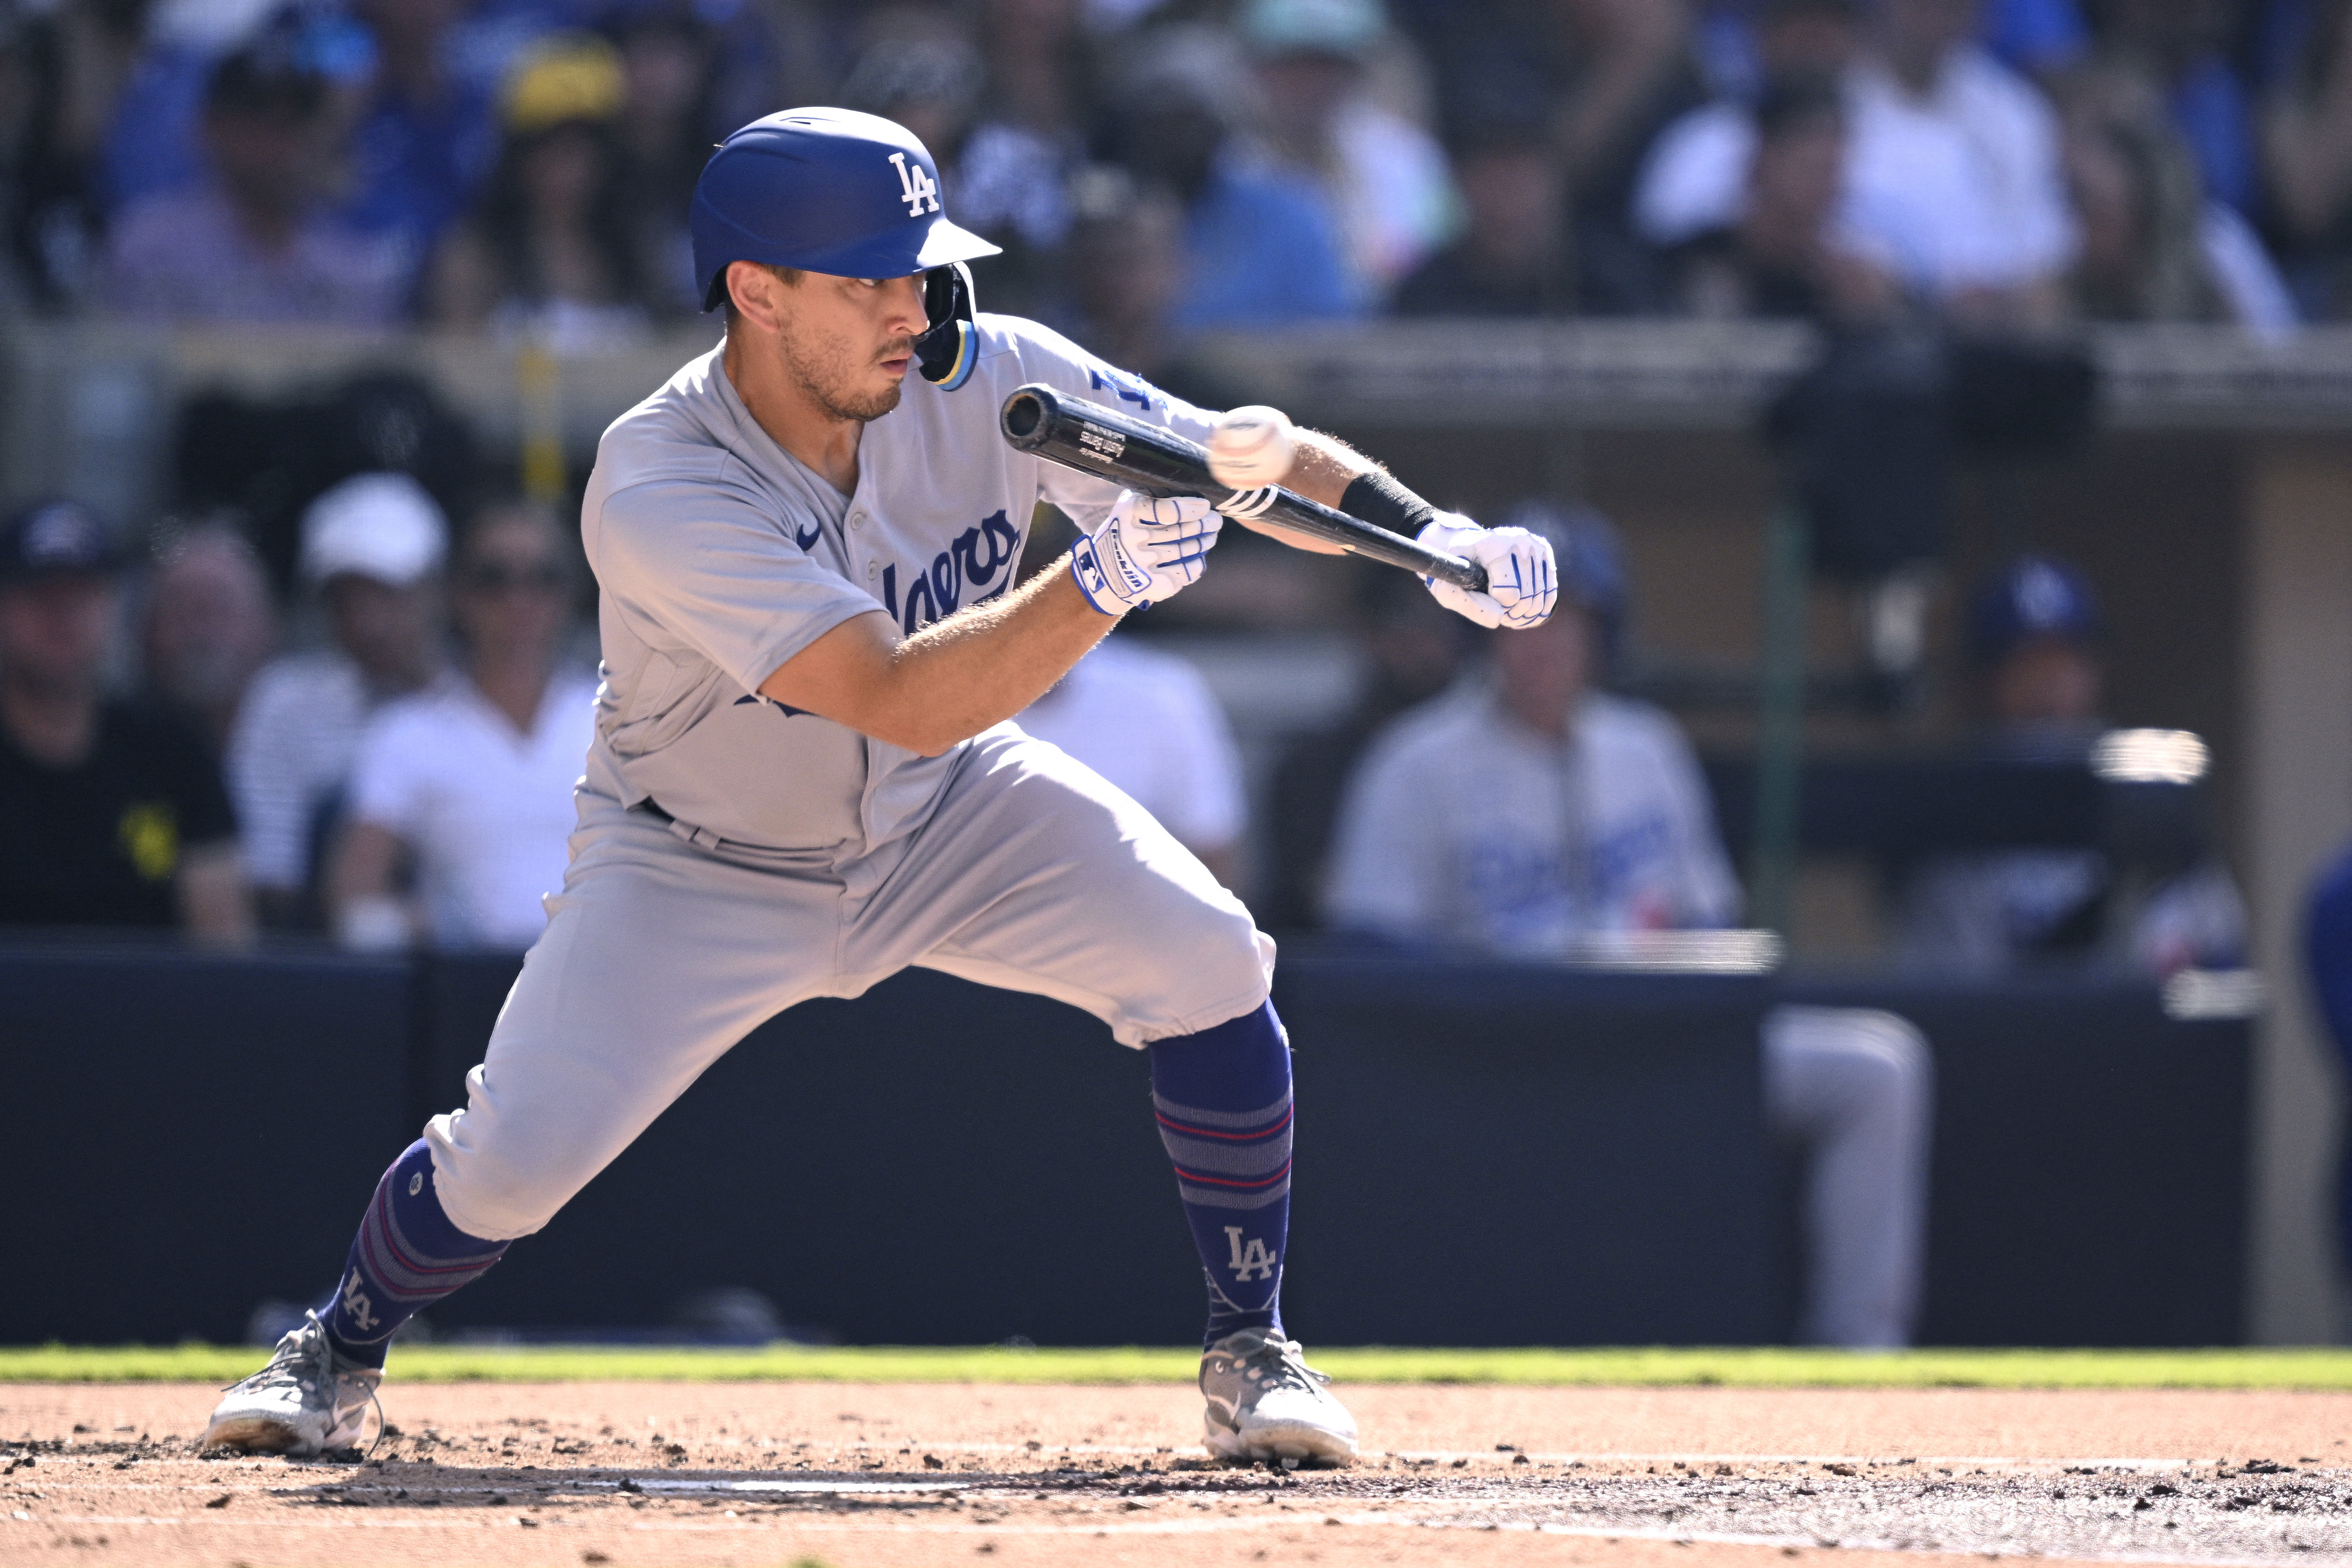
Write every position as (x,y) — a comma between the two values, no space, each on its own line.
(498,579)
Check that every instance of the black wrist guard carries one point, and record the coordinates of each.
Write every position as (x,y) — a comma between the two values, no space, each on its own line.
(1379,499)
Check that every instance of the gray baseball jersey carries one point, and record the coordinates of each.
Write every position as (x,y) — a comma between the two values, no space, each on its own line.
(721,556)
(1464,826)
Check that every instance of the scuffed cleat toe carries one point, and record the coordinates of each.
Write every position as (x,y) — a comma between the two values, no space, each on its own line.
(306,1400)
(1266,1405)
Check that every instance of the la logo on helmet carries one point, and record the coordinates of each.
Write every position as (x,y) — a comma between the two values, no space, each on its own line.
(914,186)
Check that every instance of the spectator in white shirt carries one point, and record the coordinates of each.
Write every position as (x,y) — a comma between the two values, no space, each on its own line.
(373,547)
(1147,721)
(468,785)
(1521,814)
(1386,177)
(1695,176)
(1953,177)
(1953,169)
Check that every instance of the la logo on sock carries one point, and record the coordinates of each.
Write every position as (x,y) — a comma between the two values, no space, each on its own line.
(1255,1257)
(356,1303)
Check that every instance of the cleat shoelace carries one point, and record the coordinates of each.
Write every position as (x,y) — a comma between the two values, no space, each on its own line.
(1281,1363)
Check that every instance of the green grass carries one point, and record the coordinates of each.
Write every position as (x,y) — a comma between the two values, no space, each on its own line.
(1750,1368)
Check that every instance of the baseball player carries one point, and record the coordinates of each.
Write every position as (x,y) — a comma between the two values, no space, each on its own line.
(1527,809)
(803,779)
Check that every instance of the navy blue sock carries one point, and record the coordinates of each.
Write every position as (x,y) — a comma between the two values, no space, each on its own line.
(1224,1102)
(406,1256)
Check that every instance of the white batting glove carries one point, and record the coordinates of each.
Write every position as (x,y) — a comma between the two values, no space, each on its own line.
(1145,551)
(1521,579)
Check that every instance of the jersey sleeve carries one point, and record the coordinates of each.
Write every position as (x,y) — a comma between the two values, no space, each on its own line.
(702,562)
(1049,357)
(1706,893)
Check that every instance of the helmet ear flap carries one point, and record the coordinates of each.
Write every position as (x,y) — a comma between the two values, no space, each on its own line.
(946,352)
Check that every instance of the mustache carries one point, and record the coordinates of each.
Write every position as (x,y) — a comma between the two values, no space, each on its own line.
(897,348)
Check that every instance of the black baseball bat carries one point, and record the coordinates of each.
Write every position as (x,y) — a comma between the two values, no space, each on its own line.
(1127,451)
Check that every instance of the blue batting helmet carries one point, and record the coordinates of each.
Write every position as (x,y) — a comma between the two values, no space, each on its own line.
(2031,597)
(822,190)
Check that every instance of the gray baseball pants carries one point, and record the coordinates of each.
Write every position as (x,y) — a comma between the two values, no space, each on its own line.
(665,948)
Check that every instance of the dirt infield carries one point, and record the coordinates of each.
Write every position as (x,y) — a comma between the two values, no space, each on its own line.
(905,1475)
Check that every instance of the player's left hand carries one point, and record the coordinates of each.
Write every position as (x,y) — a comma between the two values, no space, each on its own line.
(1145,551)
(1521,579)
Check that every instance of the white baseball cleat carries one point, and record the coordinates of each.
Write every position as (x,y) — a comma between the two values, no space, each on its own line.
(1265,1404)
(306,1400)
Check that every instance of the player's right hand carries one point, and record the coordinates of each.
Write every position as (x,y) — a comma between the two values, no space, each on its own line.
(1145,551)
(1522,580)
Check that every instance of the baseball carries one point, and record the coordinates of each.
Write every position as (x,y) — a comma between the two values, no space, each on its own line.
(1251,446)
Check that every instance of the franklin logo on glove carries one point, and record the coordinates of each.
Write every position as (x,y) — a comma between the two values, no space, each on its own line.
(1145,551)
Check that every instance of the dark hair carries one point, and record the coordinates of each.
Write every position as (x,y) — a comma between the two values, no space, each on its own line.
(1789,102)
(1502,111)
(511,506)
(1773,11)
(502,216)
(265,78)
(666,180)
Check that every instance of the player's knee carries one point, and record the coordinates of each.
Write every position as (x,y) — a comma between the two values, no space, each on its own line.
(1884,1063)
(485,1189)
(1234,962)
(1906,1068)
(1846,1067)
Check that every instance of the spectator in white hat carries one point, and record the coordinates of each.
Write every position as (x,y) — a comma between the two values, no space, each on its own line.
(372,548)
(1385,176)
(469,782)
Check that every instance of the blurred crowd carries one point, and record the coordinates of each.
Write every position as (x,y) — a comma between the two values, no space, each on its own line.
(405,777)
(389,756)
(1156,168)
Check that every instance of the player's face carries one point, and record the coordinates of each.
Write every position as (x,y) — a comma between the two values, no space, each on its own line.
(511,588)
(389,630)
(208,625)
(2048,680)
(1545,668)
(849,341)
